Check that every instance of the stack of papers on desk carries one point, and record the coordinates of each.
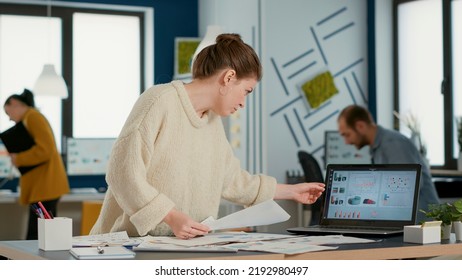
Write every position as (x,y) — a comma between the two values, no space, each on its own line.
(261,214)
(265,213)
(298,244)
(107,239)
(214,242)
(234,241)
(149,246)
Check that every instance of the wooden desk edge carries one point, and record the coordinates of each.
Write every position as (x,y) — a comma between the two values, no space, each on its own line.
(249,257)
(406,252)
(411,252)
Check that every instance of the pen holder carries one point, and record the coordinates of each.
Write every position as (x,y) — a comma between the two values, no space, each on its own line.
(55,234)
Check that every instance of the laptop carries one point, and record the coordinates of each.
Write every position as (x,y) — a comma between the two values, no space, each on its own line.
(365,199)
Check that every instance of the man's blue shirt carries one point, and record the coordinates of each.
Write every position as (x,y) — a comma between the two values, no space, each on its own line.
(392,147)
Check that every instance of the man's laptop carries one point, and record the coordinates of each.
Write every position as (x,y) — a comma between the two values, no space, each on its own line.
(367,200)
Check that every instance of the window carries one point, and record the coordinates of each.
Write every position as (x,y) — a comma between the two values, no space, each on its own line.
(425,86)
(457,66)
(106,72)
(26,43)
(99,52)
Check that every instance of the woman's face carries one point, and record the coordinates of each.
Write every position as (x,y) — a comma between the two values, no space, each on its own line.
(234,97)
(15,110)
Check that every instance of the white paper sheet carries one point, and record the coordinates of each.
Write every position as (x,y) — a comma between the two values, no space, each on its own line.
(299,244)
(265,213)
(280,246)
(215,238)
(262,242)
(162,247)
(107,239)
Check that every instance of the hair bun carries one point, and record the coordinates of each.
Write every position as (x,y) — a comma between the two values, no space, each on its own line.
(228,38)
(27,93)
(229,51)
(27,97)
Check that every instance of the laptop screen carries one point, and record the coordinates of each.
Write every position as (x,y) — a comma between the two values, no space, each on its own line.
(371,193)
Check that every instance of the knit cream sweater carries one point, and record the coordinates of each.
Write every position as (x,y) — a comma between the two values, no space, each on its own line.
(166,157)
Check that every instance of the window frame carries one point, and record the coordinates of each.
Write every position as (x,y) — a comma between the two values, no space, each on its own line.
(446,85)
(66,15)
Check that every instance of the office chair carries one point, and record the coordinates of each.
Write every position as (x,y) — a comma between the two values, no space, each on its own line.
(90,213)
(313,173)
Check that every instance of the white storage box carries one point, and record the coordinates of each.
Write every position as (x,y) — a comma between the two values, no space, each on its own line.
(422,235)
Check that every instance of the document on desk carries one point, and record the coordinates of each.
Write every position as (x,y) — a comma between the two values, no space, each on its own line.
(298,244)
(106,239)
(232,242)
(244,241)
(280,246)
(164,247)
(265,213)
(215,238)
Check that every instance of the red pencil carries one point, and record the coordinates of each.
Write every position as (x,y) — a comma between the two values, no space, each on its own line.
(45,213)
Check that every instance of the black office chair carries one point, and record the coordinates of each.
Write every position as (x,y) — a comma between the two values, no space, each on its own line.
(313,173)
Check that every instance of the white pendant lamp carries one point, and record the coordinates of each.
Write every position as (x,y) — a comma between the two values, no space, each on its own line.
(209,39)
(50,84)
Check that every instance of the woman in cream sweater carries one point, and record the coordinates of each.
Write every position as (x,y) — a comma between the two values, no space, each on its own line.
(172,162)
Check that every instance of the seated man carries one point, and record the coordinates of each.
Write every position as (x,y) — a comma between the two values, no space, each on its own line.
(357,127)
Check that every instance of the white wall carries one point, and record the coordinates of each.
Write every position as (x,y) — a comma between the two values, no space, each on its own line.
(296,40)
(302,39)
(278,122)
(244,127)
(384,61)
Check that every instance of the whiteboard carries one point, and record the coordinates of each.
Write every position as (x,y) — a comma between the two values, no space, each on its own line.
(338,152)
(88,156)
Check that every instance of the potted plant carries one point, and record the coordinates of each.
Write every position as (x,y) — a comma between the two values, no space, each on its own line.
(445,213)
(457,223)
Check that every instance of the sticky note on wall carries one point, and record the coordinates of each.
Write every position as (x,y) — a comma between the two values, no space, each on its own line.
(319,89)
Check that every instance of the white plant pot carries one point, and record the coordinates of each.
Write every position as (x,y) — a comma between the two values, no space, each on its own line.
(458,229)
(446,231)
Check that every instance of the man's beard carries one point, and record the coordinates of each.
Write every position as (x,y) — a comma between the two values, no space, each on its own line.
(362,142)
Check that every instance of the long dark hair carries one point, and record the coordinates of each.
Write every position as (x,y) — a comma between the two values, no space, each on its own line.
(26,97)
